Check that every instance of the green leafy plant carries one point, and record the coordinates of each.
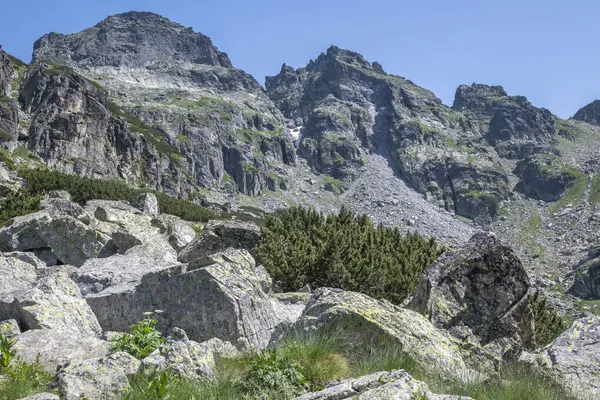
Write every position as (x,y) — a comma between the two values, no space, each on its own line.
(142,339)
(548,323)
(7,352)
(18,203)
(344,251)
(270,372)
(152,385)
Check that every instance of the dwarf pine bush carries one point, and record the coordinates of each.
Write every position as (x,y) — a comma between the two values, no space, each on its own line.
(344,251)
(548,323)
(82,189)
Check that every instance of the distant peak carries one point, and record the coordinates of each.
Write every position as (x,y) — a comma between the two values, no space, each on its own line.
(136,39)
(590,113)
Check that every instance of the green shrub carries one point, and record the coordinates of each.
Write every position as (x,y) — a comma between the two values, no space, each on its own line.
(270,372)
(344,251)
(142,339)
(82,189)
(7,352)
(151,385)
(548,324)
(18,203)
(22,379)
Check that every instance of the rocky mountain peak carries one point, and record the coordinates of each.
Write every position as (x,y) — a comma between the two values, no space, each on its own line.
(133,39)
(469,97)
(589,113)
(6,72)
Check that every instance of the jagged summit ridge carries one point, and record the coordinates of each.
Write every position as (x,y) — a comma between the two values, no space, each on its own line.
(133,39)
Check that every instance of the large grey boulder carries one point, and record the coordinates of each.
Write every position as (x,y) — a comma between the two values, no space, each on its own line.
(57,348)
(98,274)
(180,233)
(397,385)
(182,357)
(74,242)
(218,236)
(220,296)
(16,273)
(587,280)
(573,359)
(482,286)
(54,302)
(42,396)
(148,204)
(22,233)
(98,378)
(366,322)
(129,227)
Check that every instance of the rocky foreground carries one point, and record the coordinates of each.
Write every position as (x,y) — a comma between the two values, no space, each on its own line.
(76,275)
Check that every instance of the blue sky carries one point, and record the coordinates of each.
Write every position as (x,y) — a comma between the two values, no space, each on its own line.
(545,50)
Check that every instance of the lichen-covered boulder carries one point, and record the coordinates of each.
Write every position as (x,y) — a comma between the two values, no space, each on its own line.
(179,232)
(54,302)
(9,328)
(182,357)
(217,236)
(129,227)
(220,296)
(397,385)
(573,359)
(482,286)
(42,396)
(74,242)
(127,269)
(148,204)
(365,321)
(22,233)
(98,378)
(57,348)
(16,274)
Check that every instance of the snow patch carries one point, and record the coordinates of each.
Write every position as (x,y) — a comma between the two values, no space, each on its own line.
(296,134)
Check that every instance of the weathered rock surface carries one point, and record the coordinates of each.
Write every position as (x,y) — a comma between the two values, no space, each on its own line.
(57,348)
(573,359)
(17,274)
(54,302)
(182,357)
(98,274)
(98,378)
(223,297)
(397,384)
(590,113)
(204,122)
(217,236)
(42,396)
(365,321)
(148,204)
(586,284)
(180,233)
(10,328)
(482,286)
(545,177)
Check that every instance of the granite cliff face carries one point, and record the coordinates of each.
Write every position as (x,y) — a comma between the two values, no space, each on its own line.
(195,120)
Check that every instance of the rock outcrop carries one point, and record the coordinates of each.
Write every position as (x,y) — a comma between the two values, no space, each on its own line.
(367,322)
(590,113)
(217,236)
(482,286)
(204,124)
(98,378)
(545,177)
(223,295)
(396,384)
(573,359)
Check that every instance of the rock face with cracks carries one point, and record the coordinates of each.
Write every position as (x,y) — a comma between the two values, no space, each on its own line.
(482,286)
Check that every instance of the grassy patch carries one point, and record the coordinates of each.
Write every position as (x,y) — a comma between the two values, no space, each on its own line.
(572,196)
(594,196)
(332,184)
